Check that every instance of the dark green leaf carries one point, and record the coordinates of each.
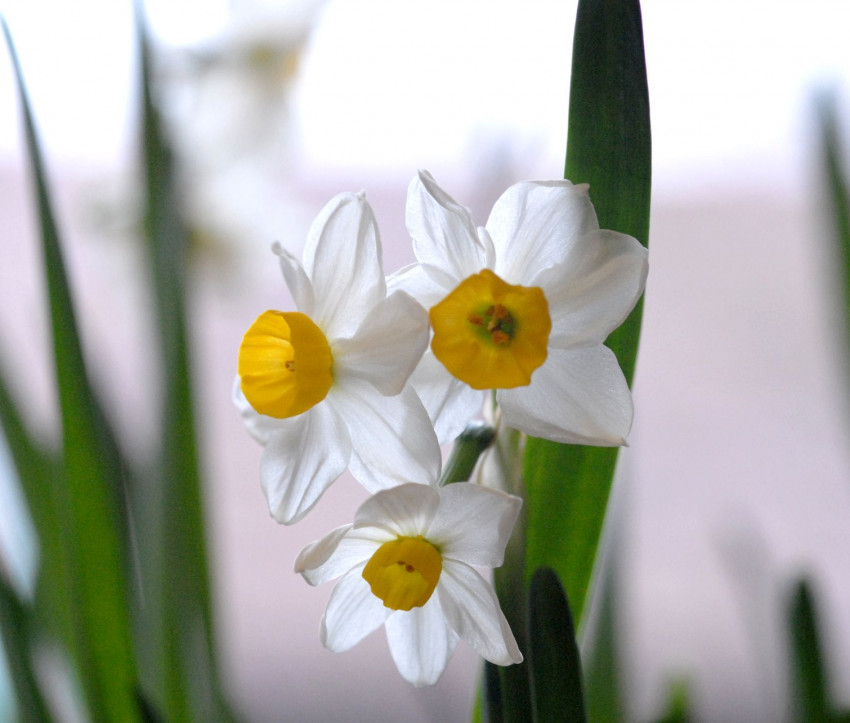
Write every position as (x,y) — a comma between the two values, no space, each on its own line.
(809,684)
(554,662)
(90,486)
(608,147)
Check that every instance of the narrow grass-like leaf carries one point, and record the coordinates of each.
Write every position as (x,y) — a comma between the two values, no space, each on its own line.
(38,471)
(600,644)
(608,147)
(554,661)
(90,487)
(837,204)
(809,684)
(15,631)
(182,633)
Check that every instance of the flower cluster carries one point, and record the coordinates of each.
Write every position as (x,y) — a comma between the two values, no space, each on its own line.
(373,374)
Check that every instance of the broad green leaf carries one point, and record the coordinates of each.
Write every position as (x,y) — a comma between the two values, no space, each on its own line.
(15,631)
(808,678)
(554,661)
(180,652)
(608,147)
(89,487)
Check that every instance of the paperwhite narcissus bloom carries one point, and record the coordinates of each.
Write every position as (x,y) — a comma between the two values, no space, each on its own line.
(324,387)
(523,307)
(407,562)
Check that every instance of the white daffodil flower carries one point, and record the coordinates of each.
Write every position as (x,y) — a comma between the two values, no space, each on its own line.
(325,387)
(407,563)
(523,307)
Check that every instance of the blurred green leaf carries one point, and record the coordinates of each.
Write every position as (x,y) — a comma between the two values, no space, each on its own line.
(90,489)
(181,648)
(39,471)
(608,147)
(837,202)
(554,661)
(603,694)
(489,704)
(678,703)
(15,631)
(809,685)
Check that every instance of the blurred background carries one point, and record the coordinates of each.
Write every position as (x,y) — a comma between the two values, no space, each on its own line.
(737,477)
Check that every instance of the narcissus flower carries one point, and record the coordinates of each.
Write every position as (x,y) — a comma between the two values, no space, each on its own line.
(407,563)
(523,307)
(325,387)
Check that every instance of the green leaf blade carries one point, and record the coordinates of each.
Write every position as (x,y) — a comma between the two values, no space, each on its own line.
(90,492)
(181,651)
(15,625)
(608,147)
(554,661)
(810,694)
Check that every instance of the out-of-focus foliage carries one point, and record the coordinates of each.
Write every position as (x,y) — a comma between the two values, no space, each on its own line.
(129,661)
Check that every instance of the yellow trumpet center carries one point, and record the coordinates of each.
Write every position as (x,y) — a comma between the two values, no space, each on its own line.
(285,364)
(404,572)
(491,334)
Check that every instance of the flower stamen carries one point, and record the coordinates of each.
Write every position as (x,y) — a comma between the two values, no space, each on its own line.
(505,335)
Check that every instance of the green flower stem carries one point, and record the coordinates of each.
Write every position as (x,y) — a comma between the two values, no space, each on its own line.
(468,447)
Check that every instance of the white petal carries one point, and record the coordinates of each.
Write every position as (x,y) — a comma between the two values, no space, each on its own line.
(421,642)
(301,461)
(594,290)
(339,551)
(317,553)
(322,560)
(451,403)
(406,510)
(442,230)
(578,396)
(489,247)
(392,440)
(427,284)
(472,609)
(352,613)
(535,223)
(343,258)
(473,524)
(259,425)
(296,279)
(387,346)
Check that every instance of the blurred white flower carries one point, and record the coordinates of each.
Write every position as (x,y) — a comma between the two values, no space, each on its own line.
(324,388)
(408,563)
(523,307)
(227,103)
